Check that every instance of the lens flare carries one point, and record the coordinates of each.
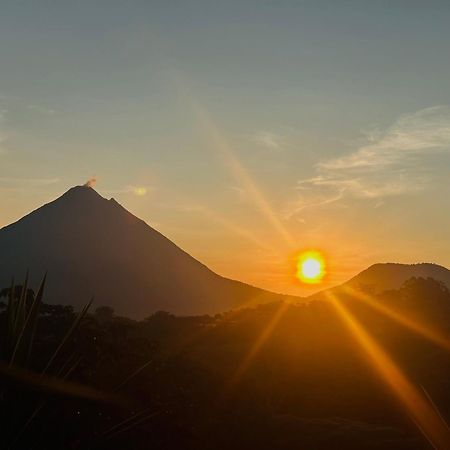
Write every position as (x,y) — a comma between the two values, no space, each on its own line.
(416,404)
(425,330)
(221,145)
(140,191)
(253,352)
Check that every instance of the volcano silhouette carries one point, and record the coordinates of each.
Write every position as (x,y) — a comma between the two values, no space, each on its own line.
(91,246)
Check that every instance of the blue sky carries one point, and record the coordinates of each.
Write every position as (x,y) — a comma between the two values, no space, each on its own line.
(254,128)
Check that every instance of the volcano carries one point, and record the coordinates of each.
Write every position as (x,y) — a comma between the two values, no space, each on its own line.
(92,246)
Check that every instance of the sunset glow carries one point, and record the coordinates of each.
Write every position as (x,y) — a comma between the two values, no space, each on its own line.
(225,225)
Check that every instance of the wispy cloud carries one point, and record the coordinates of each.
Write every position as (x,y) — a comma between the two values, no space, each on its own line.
(3,133)
(392,162)
(3,139)
(412,135)
(239,193)
(270,140)
(41,109)
(17,184)
(13,106)
(139,191)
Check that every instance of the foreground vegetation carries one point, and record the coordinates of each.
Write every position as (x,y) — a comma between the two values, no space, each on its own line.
(275,376)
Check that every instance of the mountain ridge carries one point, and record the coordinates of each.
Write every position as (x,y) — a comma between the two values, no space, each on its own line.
(382,277)
(388,275)
(93,246)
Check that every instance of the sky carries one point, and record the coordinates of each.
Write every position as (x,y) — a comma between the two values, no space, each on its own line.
(244,131)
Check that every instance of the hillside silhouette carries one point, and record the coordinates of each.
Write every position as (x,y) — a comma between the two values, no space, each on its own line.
(276,375)
(384,276)
(91,246)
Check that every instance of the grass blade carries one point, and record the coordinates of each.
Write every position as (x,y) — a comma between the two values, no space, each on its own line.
(29,323)
(68,335)
(133,375)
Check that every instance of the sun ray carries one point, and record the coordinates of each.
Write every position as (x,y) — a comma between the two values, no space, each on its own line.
(423,330)
(237,229)
(255,349)
(418,407)
(239,172)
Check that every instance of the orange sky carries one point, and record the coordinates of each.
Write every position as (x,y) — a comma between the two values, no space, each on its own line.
(245,134)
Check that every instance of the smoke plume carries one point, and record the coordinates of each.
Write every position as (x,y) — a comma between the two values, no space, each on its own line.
(91,182)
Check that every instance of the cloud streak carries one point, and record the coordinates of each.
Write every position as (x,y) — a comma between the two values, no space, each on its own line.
(269,140)
(427,130)
(3,133)
(17,184)
(391,163)
(138,190)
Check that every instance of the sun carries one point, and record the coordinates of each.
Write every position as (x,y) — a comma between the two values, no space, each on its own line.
(310,267)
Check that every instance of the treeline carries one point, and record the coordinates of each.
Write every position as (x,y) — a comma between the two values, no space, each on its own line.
(275,376)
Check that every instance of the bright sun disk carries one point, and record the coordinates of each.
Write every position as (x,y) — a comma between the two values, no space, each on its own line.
(310,267)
